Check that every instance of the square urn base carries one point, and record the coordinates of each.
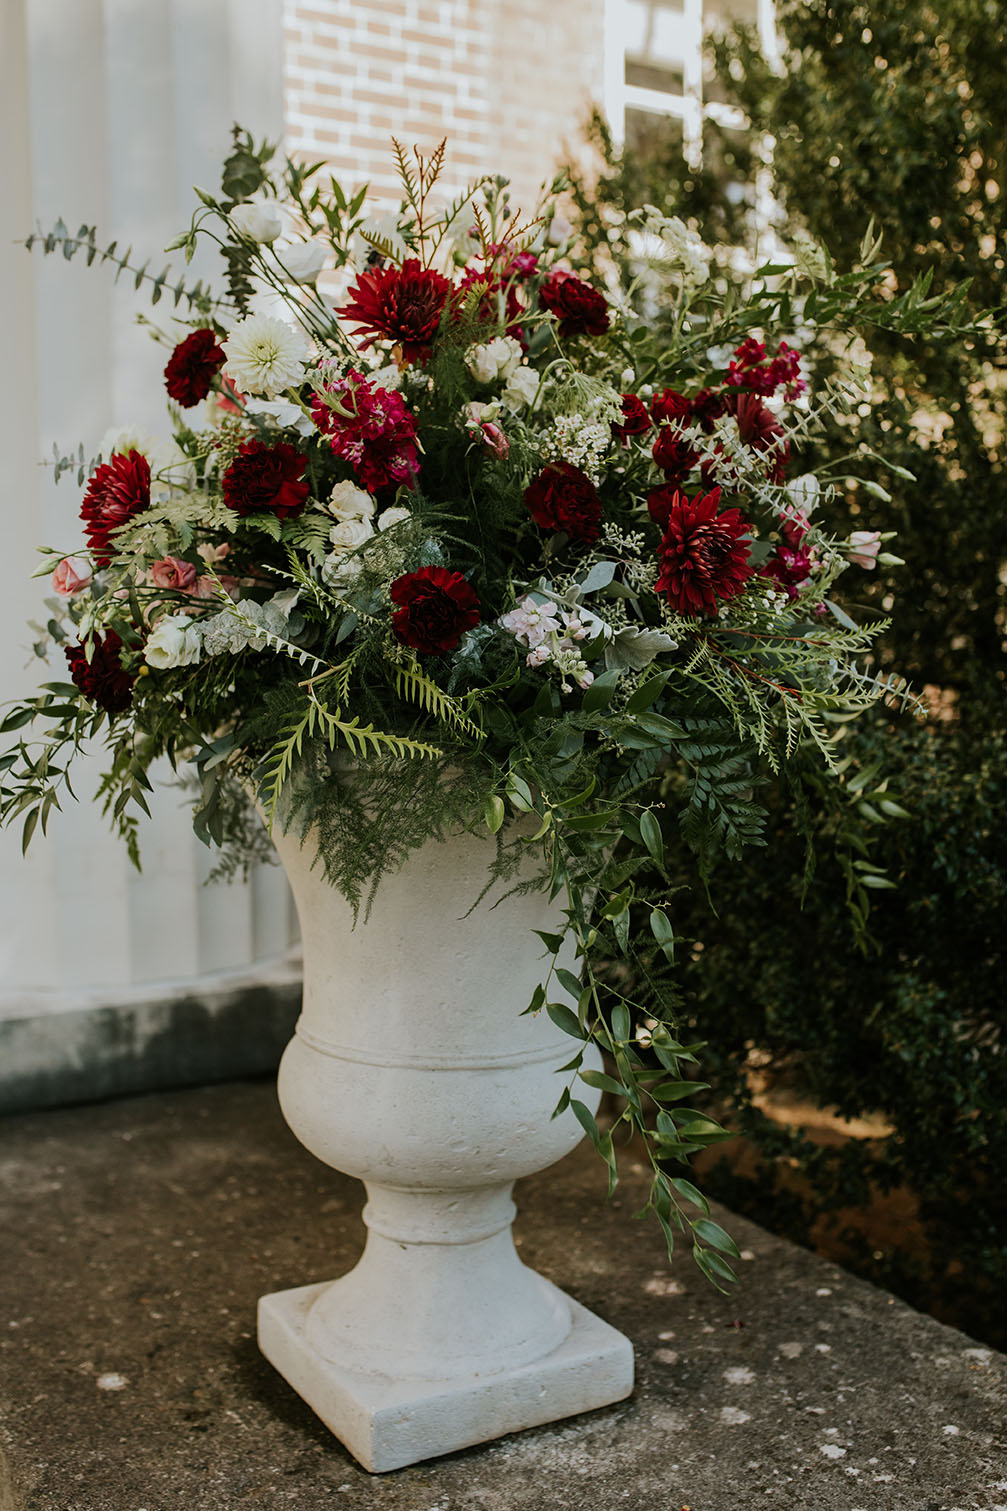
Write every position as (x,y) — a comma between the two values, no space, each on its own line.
(387,1424)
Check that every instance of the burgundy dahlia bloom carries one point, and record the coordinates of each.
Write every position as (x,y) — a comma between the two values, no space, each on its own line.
(266,478)
(703,556)
(192,367)
(369,427)
(436,607)
(564,498)
(579,308)
(635,419)
(403,305)
(102,680)
(119,490)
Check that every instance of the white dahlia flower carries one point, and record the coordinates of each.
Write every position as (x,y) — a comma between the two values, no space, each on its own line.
(265,356)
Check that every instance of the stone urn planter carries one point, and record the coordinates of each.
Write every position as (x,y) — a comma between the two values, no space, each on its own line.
(413,1069)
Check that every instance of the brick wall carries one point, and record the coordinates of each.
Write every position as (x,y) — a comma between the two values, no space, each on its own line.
(508,82)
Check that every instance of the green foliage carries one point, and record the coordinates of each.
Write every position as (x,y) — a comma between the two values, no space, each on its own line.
(888,128)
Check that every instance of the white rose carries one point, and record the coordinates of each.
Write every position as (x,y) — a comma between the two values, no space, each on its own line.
(174,642)
(507,353)
(302,261)
(259,220)
(347,501)
(804,491)
(340,572)
(522,386)
(389,517)
(350,534)
(481,363)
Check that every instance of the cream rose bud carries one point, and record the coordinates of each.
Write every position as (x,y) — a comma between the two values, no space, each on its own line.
(389,517)
(347,501)
(522,386)
(350,534)
(259,220)
(302,262)
(340,572)
(174,642)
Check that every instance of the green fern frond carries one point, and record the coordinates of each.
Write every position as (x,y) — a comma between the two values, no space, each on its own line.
(413,685)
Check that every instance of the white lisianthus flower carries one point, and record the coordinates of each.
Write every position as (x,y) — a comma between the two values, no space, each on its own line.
(174,642)
(288,416)
(389,517)
(383,229)
(347,501)
(265,356)
(350,534)
(804,491)
(259,220)
(301,261)
(522,386)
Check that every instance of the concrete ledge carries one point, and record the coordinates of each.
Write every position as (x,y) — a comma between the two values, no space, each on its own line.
(137,1236)
(56,1051)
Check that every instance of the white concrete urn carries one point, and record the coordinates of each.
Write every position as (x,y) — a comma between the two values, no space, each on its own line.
(413,1069)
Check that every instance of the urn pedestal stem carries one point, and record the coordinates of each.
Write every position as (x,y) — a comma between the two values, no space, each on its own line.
(414,1069)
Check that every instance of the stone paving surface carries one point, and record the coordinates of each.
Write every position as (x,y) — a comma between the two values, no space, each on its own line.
(136,1236)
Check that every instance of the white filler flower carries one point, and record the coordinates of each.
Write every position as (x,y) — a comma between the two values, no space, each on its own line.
(265,356)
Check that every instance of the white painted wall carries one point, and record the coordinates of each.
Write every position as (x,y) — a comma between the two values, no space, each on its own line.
(111,111)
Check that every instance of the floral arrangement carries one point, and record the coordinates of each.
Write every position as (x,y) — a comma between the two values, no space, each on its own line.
(444,537)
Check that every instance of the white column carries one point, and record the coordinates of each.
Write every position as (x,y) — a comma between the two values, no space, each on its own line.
(112,110)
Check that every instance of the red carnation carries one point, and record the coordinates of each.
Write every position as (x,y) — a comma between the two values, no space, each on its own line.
(670,407)
(564,498)
(579,308)
(119,490)
(102,680)
(436,608)
(192,367)
(266,478)
(403,305)
(635,419)
(703,555)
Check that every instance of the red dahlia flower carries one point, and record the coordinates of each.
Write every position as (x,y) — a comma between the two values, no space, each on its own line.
(579,308)
(703,555)
(102,680)
(119,489)
(266,478)
(192,367)
(436,609)
(369,427)
(403,305)
(564,498)
(635,419)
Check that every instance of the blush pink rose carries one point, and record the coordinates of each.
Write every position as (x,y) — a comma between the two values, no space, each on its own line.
(864,547)
(172,572)
(71,576)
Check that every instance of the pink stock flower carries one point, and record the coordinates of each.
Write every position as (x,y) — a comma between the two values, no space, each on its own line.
(864,546)
(172,572)
(369,427)
(72,575)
